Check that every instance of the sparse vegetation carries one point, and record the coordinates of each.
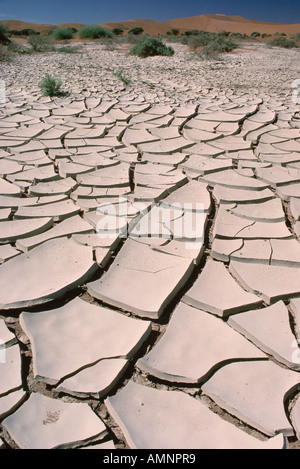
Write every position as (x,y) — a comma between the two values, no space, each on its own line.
(282,41)
(120,74)
(211,44)
(218,45)
(5,53)
(93,32)
(50,86)
(41,43)
(3,29)
(117,31)
(68,49)
(136,31)
(110,44)
(22,32)
(19,48)
(61,34)
(255,34)
(192,32)
(225,33)
(200,40)
(150,47)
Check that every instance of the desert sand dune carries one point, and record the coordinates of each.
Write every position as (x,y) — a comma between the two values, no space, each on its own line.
(149,247)
(213,23)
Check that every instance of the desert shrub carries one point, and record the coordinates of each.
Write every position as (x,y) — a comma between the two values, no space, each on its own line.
(200,40)
(19,48)
(27,32)
(225,33)
(110,44)
(255,34)
(50,86)
(117,31)
(3,29)
(175,31)
(22,32)
(212,42)
(120,74)
(150,47)
(136,31)
(93,32)
(5,53)
(236,34)
(61,34)
(297,36)
(206,53)
(136,38)
(193,32)
(282,42)
(41,43)
(264,35)
(218,45)
(68,49)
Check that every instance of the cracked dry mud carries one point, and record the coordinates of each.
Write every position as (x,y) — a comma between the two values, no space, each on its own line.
(151,336)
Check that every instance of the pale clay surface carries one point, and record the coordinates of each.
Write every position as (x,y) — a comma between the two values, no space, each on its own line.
(115,327)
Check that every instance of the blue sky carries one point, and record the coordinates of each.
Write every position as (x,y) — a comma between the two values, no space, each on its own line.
(102,11)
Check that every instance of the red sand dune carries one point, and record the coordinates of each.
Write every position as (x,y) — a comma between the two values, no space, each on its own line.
(42,28)
(213,23)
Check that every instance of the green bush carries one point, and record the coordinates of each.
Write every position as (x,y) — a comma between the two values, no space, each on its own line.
(255,34)
(137,30)
(93,32)
(61,34)
(150,47)
(41,43)
(50,86)
(282,42)
(201,39)
(23,32)
(3,29)
(212,42)
(117,31)
(219,44)
(193,32)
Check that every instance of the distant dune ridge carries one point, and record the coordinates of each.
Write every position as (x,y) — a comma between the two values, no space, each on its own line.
(213,23)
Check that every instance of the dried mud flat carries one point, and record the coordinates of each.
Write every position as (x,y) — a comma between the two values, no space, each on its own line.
(150,337)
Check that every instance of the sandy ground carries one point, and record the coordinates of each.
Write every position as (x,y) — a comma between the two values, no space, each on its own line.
(253,68)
